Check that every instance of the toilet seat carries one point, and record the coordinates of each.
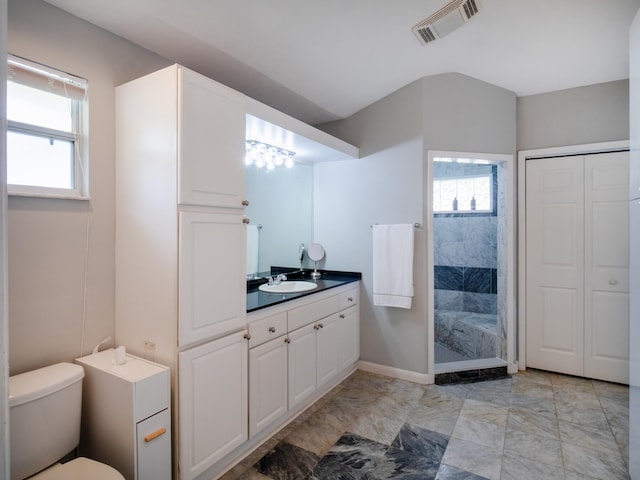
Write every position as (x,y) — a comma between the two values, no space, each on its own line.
(81,468)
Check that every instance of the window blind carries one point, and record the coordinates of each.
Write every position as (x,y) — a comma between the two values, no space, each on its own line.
(50,80)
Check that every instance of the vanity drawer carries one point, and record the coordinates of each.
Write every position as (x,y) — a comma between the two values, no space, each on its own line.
(348,299)
(301,316)
(267,328)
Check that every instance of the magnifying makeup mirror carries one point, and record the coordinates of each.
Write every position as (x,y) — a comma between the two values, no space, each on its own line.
(315,253)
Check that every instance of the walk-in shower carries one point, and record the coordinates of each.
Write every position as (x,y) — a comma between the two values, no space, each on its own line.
(469,263)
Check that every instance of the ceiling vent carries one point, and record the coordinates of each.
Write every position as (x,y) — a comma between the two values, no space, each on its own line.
(449,18)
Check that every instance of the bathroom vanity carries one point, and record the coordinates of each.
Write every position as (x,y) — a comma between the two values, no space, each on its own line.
(181,296)
(299,348)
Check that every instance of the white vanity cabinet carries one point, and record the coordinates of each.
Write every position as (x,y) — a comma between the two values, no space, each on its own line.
(322,345)
(126,415)
(267,371)
(319,351)
(213,402)
(267,383)
(302,364)
(327,350)
(349,326)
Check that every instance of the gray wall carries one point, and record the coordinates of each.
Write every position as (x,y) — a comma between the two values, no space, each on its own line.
(596,113)
(61,262)
(387,185)
(464,114)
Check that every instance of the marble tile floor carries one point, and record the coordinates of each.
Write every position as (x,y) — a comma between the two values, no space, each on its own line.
(534,425)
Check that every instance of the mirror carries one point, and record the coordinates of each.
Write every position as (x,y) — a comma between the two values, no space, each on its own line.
(281,201)
(316,253)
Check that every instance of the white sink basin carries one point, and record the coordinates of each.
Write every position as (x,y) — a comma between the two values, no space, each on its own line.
(288,287)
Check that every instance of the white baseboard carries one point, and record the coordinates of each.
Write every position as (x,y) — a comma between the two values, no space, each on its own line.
(416,377)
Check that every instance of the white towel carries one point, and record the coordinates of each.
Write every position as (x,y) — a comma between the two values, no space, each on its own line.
(393,265)
(253,243)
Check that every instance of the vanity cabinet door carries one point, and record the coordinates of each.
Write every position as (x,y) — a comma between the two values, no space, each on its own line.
(302,364)
(328,349)
(268,384)
(211,142)
(213,409)
(211,283)
(349,322)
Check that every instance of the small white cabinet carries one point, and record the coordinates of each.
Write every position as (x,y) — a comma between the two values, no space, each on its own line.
(126,418)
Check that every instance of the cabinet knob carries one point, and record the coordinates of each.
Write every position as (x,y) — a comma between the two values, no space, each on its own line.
(245,203)
(342,315)
(247,336)
(287,340)
(246,221)
(350,299)
(272,329)
(613,281)
(316,327)
(320,325)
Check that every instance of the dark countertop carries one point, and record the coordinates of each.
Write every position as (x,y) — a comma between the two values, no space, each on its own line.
(257,299)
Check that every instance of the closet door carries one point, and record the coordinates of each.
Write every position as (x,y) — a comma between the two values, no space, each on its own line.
(554,264)
(607,267)
(577,265)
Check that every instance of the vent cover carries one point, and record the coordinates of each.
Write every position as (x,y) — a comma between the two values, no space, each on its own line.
(449,18)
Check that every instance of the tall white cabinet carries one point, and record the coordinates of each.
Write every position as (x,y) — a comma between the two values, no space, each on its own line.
(577,265)
(180,236)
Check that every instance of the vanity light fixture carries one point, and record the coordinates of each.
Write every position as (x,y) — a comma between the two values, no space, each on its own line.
(264,155)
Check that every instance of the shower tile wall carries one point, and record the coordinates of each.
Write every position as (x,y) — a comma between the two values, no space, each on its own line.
(465,252)
(466,289)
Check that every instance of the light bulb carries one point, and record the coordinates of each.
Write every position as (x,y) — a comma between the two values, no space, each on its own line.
(289,162)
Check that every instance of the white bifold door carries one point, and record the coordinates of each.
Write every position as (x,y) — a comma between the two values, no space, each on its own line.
(577,265)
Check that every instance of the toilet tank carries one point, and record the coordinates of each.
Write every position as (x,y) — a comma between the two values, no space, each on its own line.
(45,407)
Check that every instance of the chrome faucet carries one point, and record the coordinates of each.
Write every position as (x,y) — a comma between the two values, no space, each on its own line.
(281,277)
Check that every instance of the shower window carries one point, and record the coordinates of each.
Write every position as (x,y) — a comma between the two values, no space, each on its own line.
(465,194)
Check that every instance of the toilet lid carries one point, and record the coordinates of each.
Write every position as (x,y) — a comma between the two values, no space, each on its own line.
(79,469)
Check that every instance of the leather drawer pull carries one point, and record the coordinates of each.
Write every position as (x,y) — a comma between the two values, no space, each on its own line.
(156,434)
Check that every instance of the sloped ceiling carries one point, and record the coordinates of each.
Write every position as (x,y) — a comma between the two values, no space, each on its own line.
(326,59)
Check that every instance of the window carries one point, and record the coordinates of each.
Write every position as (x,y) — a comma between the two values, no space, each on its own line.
(45,110)
(463,187)
(463,194)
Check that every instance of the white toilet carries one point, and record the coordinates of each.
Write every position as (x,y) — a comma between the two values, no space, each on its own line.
(45,408)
